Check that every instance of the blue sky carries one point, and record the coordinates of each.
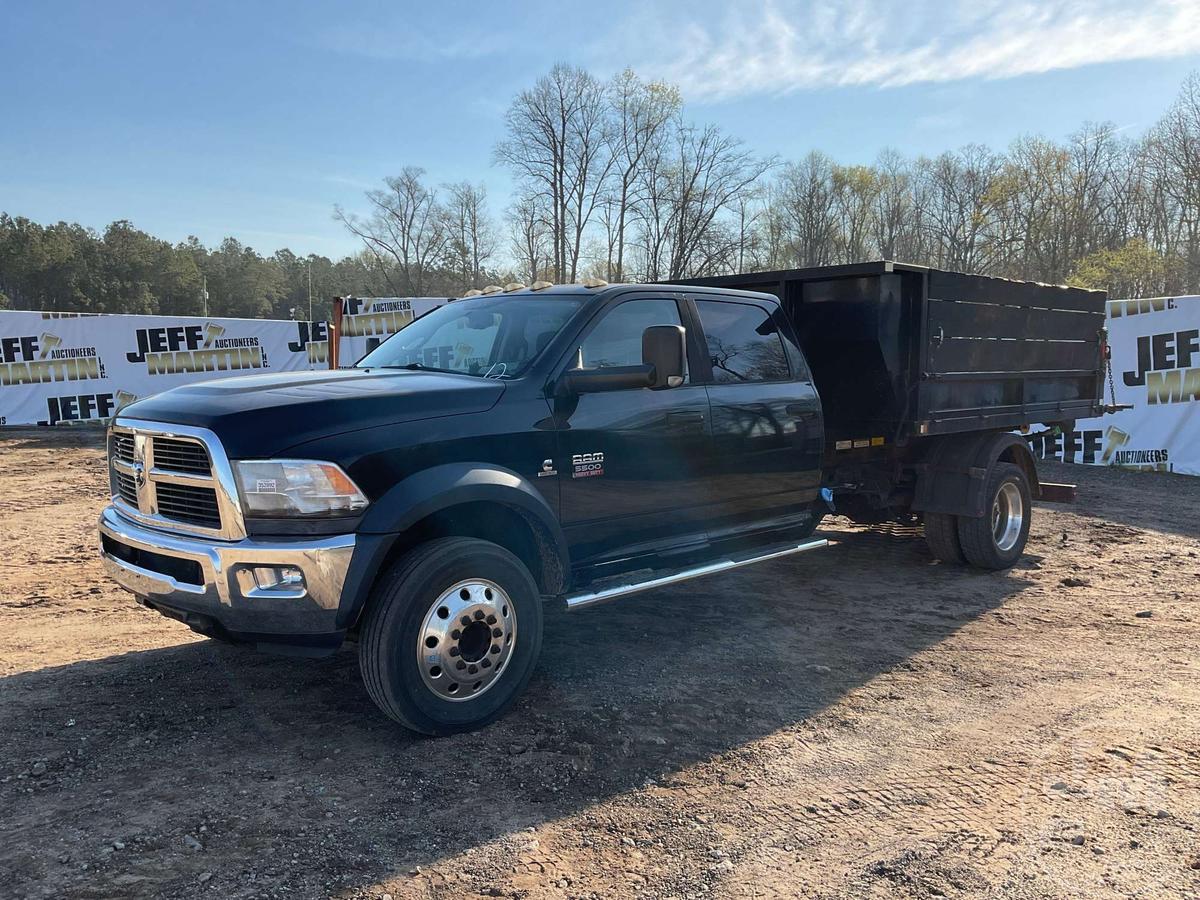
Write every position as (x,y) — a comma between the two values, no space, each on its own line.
(253,119)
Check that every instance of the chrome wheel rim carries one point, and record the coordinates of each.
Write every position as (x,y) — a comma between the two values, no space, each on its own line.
(466,639)
(1008,516)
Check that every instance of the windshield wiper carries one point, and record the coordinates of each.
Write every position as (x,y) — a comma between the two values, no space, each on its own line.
(421,367)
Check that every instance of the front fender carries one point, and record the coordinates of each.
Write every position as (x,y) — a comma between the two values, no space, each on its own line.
(431,491)
(441,487)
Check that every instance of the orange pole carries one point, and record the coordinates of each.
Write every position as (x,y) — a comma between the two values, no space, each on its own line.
(335,332)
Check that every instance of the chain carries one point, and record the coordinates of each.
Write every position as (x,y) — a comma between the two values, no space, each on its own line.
(1112,390)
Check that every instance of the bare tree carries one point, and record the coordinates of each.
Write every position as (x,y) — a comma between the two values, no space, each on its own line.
(806,200)
(962,207)
(1025,235)
(855,189)
(405,234)
(895,220)
(1173,149)
(689,189)
(773,237)
(749,230)
(641,114)
(472,239)
(557,147)
(532,243)
(715,173)
(1095,157)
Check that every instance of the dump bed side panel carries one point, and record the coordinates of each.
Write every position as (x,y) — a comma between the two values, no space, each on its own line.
(1004,353)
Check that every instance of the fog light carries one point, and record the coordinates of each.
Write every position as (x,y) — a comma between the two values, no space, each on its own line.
(268,578)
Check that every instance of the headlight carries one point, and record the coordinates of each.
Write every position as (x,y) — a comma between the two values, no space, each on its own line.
(296,487)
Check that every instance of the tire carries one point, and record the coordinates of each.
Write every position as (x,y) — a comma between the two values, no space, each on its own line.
(941,534)
(429,660)
(997,539)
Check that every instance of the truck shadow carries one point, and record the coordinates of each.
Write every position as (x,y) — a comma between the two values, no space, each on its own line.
(275,756)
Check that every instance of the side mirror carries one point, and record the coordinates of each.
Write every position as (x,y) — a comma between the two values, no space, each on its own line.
(608,378)
(664,348)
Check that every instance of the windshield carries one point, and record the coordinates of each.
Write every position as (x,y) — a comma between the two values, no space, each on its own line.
(494,336)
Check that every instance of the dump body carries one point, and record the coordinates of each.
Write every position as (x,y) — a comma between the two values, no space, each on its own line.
(900,351)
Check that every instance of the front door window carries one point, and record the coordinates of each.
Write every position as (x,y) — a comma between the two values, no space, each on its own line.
(617,338)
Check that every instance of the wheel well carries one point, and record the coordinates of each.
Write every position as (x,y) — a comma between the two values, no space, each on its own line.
(1020,455)
(513,529)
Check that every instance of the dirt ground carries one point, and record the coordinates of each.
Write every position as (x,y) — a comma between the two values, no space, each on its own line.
(856,722)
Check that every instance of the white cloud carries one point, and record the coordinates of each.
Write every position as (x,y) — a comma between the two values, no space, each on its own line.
(781,46)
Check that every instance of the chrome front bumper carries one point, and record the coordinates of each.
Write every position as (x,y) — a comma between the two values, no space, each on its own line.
(202,579)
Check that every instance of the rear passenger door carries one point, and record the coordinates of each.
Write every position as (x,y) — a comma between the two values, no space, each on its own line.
(766,421)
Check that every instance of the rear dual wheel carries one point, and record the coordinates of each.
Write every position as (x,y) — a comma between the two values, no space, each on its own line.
(941,534)
(451,635)
(995,540)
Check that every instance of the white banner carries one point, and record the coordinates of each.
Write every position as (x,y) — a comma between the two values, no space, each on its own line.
(1156,368)
(64,369)
(366,323)
(61,368)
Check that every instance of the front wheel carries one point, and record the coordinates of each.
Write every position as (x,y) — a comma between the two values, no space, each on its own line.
(452,632)
(997,539)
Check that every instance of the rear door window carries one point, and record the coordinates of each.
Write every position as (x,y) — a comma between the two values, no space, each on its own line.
(744,345)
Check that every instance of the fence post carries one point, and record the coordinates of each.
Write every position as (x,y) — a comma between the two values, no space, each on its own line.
(335,332)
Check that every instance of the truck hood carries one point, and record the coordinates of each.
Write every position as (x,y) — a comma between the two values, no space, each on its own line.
(259,415)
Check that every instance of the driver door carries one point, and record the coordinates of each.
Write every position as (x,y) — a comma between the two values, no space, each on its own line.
(633,462)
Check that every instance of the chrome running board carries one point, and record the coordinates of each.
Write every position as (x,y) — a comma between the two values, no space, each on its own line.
(591,598)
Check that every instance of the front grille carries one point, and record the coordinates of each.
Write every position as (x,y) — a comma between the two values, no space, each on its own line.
(177,481)
(192,505)
(122,446)
(126,488)
(181,456)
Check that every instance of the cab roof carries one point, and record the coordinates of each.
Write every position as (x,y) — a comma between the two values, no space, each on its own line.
(612,290)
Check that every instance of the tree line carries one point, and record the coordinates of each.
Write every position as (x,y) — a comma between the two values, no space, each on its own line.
(612,180)
(68,268)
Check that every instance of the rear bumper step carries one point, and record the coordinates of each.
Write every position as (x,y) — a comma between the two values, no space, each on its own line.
(603,595)
(1057,493)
